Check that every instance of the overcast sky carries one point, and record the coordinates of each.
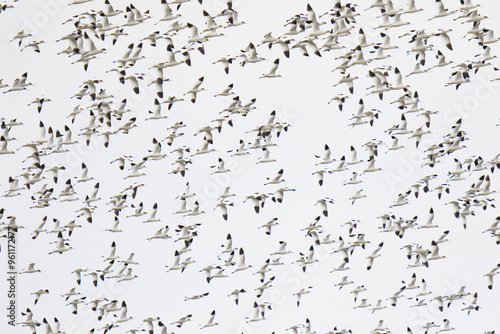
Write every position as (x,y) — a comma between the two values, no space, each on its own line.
(300,98)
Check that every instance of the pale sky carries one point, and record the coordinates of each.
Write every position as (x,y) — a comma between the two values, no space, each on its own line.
(299,98)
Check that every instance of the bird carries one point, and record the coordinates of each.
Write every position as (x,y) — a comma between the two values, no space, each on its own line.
(302,292)
(272,71)
(241,264)
(210,322)
(357,196)
(21,35)
(196,89)
(39,293)
(236,293)
(374,255)
(490,276)
(30,270)
(62,246)
(39,101)
(277,179)
(323,204)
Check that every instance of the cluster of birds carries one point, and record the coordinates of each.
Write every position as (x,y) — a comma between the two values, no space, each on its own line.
(370,85)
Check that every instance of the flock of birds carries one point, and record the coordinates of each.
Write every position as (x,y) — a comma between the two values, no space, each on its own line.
(371,85)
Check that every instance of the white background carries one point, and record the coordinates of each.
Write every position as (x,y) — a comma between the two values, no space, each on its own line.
(300,98)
